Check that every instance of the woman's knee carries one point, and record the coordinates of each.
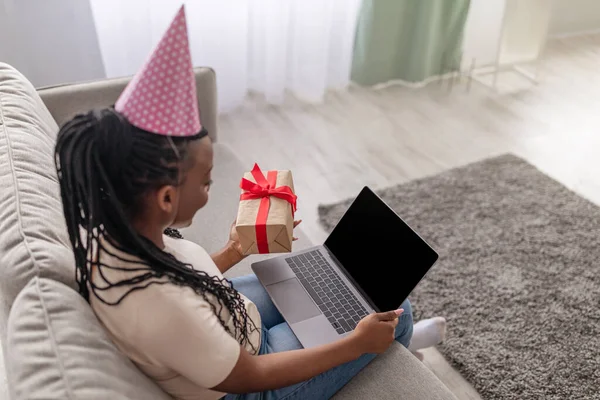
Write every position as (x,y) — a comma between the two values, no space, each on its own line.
(244,281)
(407,307)
(250,287)
(404,329)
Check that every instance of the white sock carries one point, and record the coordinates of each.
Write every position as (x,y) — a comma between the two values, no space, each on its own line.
(427,333)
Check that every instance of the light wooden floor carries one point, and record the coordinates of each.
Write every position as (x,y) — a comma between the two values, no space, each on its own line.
(381,137)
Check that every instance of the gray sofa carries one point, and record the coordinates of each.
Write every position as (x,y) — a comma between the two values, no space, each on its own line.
(54,348)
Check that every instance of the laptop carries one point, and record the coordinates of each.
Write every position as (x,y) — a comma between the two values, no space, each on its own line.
(370,262)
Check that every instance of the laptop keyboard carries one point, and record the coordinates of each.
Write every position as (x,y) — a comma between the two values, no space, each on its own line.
(331,295)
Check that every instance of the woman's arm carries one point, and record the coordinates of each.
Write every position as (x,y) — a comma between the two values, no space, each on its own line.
(251,374)
(271,371)
(227,257)
(231,254)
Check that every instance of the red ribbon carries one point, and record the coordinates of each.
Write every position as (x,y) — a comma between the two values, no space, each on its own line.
(263,189)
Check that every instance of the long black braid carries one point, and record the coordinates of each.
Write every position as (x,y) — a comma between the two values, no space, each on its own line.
(105,165)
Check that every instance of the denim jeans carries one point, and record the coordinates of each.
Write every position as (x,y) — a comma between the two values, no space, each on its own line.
(277,336)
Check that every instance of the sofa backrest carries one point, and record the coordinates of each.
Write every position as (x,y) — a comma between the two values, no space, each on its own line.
(56,349)
(33,234)
(64,101)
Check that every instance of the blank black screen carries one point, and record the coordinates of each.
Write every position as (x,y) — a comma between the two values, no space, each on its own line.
(380,252)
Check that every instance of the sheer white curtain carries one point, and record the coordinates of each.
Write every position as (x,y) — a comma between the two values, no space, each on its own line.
(50,42)
(304,46)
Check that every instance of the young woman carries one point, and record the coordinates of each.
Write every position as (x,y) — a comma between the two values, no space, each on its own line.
(164,301)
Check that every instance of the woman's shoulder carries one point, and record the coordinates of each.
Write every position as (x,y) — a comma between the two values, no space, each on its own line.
(191,253)
(182,245)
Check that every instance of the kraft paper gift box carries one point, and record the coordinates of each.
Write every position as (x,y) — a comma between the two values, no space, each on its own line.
(265,220)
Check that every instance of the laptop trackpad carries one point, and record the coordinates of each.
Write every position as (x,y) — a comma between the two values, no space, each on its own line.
(293,301)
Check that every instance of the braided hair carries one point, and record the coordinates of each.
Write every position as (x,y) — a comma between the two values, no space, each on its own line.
(105,166)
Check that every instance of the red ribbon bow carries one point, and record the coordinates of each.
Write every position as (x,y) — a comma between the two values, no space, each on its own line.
(263,189)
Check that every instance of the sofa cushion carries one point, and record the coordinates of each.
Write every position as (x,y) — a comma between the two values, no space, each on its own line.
(57,349)
(64,101)
(33,235)
(212,224)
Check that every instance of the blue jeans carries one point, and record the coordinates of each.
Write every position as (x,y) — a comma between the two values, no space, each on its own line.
(277,336)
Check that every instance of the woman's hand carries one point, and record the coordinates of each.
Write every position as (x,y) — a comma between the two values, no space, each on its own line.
(234,240)
(375,332)
(233,253)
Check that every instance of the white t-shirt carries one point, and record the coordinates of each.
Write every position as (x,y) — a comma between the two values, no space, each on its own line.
(170,332)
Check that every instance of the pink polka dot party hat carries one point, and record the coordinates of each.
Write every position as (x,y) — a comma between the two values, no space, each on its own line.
(161,98)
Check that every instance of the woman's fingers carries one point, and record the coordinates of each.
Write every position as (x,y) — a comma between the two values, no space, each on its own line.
(296,223)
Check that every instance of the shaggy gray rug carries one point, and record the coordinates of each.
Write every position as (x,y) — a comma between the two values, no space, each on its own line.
(518,278)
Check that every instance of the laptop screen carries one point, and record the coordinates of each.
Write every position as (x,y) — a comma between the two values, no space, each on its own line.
(379,251)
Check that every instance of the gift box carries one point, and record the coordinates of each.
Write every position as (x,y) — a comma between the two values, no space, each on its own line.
(265,220)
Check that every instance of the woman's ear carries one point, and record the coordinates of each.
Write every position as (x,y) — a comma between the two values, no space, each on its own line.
(167,198)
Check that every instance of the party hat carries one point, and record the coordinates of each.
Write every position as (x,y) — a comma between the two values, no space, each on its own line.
(161,98)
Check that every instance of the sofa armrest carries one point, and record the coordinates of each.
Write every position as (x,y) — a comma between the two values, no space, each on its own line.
(396,374)
(64,101)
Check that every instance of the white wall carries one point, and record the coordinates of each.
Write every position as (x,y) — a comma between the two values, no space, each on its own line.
(482,29)
(573,16)
(525,30)
(482,32)
(51,41)
(8,53)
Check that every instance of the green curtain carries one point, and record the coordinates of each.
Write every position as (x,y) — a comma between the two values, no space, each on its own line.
(408,39)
